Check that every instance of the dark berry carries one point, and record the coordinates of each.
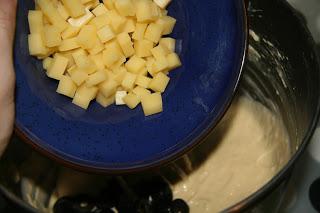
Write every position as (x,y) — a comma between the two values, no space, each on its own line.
(179,206)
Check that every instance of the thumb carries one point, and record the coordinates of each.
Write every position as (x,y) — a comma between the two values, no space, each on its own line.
(7,28)
(7,76)
(7,21)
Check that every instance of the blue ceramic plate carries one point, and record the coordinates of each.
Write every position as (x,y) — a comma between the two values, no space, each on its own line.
(211,41)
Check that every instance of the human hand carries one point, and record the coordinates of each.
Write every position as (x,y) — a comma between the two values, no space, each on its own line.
(7,75)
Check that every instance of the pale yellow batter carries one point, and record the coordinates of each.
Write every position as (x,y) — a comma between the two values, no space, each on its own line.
(252,146)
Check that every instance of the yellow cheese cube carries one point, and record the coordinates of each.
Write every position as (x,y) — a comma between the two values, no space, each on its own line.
(82,20)
(90,4)
(85,63)
(109,4)
(169,43)
(153,32)
(119,74)
(149,65)
(77,52)
(105,34)
(70,32)
(111,55)
(131,100)
(68,54)
(100,10)
(35,18)
(129,26)
(58,67)
(97,48)
(152,104)
(160,51)
(159,82)
(66,87)
(140,91)
(103,101)
(87,36)
(144,11)
(97,59)
(79,76)
(113,44)
(135,64)
(100,21)
(163,13)
(120,94)
(162,3)
(139,31)
(116,21)
(143,71)
(86,1)
(109,74)
(173,61)
(36,45)
(167,23)
(75,7)
(84,95)
(143,47)
(125,7)
(52,14)
(143,81)
(119,63)
(155,11)
(108,87)
(63,11)
(96,78)
(52,36)
(160,64)
(71,70)
(47,62)
(128,81)
(69,44)
(126,44)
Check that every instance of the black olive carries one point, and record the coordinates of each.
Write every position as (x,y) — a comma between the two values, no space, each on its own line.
(110,196)
(154,191)
(79,204)
(144,206)
(314,194)
(179,206)
(126,204)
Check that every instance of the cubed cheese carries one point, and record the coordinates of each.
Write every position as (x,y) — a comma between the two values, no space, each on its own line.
(159,82)
(126,44)
(153,32)
(128,81)
(152,104)
(135,64)
(87,37)
(119,97)
(58,67)
(66,87)
(131,100)
(143,47)
(103,101)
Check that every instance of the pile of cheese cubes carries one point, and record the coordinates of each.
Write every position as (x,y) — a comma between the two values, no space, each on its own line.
(112,51)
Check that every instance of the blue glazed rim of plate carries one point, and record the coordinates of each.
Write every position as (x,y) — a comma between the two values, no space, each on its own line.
(85,165)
